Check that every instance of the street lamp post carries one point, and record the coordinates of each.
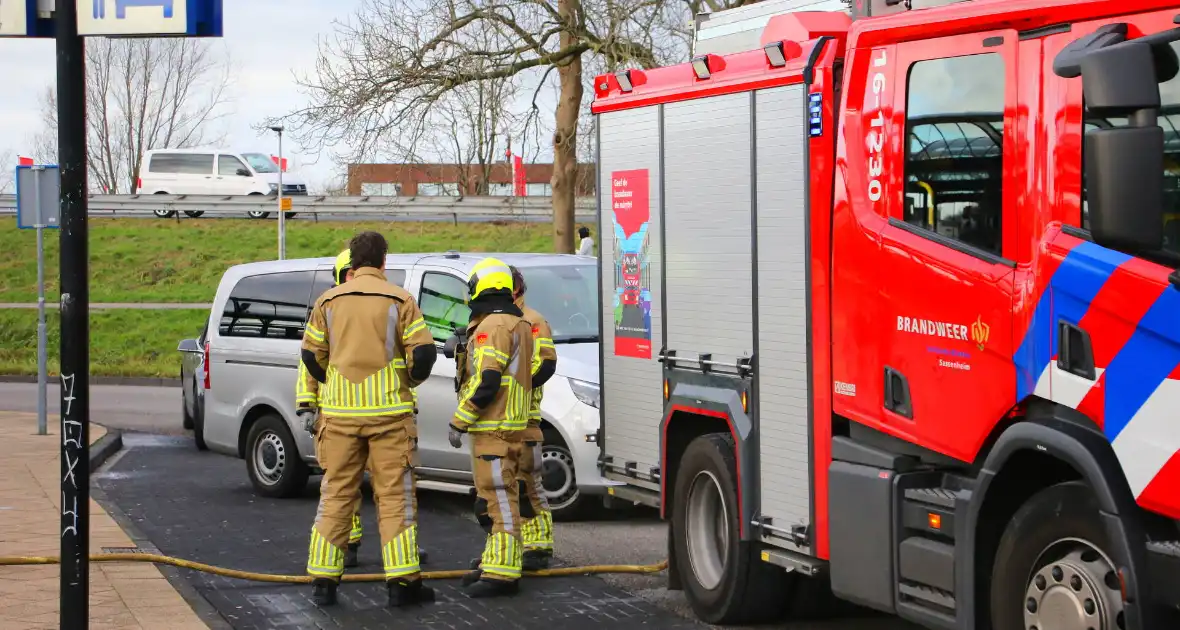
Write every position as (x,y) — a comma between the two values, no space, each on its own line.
(279,197)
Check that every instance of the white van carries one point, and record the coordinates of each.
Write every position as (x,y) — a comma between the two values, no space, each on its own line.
(213,172)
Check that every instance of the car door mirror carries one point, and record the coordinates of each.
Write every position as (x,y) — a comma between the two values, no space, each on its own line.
(449,346)
(189,345)
(243,172)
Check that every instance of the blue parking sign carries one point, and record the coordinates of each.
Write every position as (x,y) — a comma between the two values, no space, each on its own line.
(149,18)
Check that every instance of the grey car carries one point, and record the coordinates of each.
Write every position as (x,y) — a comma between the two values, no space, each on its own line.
(239,375)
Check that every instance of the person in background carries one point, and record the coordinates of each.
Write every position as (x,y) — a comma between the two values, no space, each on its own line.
(586,247)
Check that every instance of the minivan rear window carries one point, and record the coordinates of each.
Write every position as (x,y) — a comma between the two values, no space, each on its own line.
(182,163)
(324,281)
(272,306)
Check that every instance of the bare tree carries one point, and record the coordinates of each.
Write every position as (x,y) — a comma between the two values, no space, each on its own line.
(398,58)
(7,164)
(142,94)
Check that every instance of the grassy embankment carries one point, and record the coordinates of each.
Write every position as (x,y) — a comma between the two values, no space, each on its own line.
(139,260)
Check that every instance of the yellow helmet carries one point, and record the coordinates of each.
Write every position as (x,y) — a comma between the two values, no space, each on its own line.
(343,262)
(489,274)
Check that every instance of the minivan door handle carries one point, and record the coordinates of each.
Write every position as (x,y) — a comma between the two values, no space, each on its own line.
(1075,352)
(897,393)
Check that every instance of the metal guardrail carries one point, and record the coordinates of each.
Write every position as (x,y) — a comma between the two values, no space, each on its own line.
(495,207)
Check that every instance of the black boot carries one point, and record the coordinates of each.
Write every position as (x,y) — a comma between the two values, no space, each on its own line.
(350,556)
(535,559)
(472,576)
(325,592)
(422,556)
(402,593)
(493,588)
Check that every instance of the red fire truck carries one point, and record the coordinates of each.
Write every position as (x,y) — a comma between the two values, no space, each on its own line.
(917,312)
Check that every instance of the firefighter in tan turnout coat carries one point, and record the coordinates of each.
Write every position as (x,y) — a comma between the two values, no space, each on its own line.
(493,409)
(307,401)
(537,530)
(367,345)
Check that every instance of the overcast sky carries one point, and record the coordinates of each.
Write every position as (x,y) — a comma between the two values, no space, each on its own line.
(266,40)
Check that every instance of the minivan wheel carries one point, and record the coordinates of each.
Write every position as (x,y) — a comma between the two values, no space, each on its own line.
(272,459)
(559,483)
(199,432)
(194,213)
(258,214)
(163,214)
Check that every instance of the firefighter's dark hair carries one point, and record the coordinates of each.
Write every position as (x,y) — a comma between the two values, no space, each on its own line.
(518,284)
(368,250)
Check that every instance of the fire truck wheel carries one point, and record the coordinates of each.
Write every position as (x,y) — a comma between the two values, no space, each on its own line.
(725,580)
(1051,568)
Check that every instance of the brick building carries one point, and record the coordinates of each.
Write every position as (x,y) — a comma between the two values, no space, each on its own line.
(411,180)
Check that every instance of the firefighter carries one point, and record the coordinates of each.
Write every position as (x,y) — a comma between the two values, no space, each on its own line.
(367,345)
(307,391)
(493,408)
(537,530)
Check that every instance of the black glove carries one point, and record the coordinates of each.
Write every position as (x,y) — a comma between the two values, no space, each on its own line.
(308,415)
(455,436)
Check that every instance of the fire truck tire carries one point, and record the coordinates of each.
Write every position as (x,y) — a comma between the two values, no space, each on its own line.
(1051,564)
(725,580)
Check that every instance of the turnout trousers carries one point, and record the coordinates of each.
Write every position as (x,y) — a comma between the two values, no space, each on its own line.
(537,529)
(495,461)
(347,446)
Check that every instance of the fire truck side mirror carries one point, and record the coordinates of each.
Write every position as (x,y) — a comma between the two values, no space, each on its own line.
(1125,187)
(1124,165)
(1120,79)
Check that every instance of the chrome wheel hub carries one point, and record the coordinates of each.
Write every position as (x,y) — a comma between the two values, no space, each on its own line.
(708,530)
(270,458)
(1077,590)
(557,474)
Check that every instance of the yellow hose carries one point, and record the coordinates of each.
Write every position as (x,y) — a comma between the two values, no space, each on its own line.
(304,579)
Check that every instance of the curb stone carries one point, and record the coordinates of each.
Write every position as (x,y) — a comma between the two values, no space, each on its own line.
(104,447)
(100,452)
(141,381)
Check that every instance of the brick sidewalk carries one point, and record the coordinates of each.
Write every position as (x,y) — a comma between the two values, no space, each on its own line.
(123,596)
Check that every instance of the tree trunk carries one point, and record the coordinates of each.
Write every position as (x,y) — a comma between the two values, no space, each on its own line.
(565,137)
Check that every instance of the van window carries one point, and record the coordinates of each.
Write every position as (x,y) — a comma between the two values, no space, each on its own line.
(324,281)
(261,163)
(272,305)
(182,163)
(228,165)
(444,304)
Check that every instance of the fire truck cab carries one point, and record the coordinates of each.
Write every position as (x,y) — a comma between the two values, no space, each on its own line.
(913,338)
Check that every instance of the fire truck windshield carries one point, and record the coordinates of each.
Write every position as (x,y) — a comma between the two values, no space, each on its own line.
(567,295)
(1169,120)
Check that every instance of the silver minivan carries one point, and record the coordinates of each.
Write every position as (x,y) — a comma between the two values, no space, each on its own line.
(239,376)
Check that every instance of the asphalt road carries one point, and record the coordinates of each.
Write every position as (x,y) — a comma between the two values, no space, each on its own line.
(149,409)
(216,487)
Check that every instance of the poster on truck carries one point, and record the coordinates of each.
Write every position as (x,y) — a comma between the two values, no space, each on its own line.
(631,209)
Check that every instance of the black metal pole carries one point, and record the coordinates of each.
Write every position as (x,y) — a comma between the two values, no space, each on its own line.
(75,329)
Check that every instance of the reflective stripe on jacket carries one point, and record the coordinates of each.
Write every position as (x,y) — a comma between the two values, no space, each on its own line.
(543,350)
(362,334)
